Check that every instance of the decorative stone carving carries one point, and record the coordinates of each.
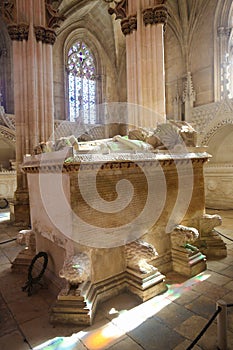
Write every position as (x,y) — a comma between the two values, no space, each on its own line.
(129,24)
(224,31)
(7,183)
(7,119)
(187,132)
(209,241)
(143,279)
(208,119)
(138,253)
(72,305)
(8,134)
(202,115)
(27,238)
(183,236)
(76,270)
(24,258)
(19,31)
(8,11)
(119,10)
(219,185)
(45,35)
(189,96)
(167,135)
(157,14)
(54,18)
(186,258)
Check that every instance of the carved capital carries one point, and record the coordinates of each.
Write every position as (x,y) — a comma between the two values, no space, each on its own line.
(50,36)
(18,31)
(45,35)
(148,16)
(129,24)
(154,15)
(39,33)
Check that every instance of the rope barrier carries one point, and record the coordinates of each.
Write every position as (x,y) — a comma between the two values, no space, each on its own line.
(205,328)
(221,234)
(9,240)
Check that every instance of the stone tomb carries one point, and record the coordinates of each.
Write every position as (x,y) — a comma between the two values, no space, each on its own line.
(111,222)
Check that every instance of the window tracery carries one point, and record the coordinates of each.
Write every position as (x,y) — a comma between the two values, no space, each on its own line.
(81,83)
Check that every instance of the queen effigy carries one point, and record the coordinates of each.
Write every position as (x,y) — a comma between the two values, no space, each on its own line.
(119,213)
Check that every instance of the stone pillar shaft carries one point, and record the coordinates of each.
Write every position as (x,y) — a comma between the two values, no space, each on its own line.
(144,30)
(33,83)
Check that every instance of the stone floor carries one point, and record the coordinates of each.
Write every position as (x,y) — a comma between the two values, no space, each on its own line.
(168,321)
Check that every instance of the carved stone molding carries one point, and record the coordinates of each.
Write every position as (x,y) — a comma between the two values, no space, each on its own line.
(138,255)
(19,31)
(8,11)
(129,24)
(186,257)
(209,242)
(76,270)
(119,10)
(54,18)
(7,134)
(45,35)
(224,31)
(154,15)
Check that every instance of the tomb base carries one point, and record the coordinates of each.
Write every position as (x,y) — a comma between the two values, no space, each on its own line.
(212,246)
(79,306)
(145,285)
(188,264)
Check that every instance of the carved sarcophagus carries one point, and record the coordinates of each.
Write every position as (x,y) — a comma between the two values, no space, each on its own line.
(106,221)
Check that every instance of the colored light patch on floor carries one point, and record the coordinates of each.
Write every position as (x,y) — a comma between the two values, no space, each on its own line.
(60,343)
(109,334)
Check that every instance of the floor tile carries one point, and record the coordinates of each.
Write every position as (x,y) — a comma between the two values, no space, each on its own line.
(174,314)
(202,306)
(40,330)
(153,334)
(13,341)
(126,344)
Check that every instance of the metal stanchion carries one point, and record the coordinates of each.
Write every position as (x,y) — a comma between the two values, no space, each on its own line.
(222,325)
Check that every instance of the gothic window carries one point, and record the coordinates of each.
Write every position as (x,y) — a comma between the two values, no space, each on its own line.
(81,84)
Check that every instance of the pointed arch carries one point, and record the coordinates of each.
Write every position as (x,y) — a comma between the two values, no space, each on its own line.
(81,75)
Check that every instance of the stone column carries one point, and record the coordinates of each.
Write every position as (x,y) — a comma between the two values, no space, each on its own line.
(31,27)
(189,97)
(223,49)
(142,22)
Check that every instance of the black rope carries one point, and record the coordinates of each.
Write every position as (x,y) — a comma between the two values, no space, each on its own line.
(204,328)
(9,240)
(229,305)
(221,234)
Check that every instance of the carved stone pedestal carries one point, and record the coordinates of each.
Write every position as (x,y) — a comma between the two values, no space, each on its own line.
(78,306)
(186,263)
(210,242)
(212,245)
(24,258)
(20,210)
(186,258)
(70,308)
(145,285)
